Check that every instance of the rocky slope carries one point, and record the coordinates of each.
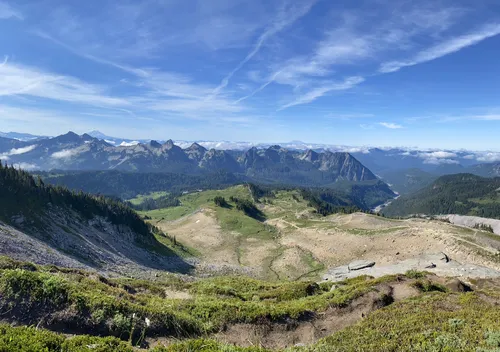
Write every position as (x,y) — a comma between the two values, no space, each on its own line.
(51,225)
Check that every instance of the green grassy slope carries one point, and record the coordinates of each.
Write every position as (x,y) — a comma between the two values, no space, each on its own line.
(127,312)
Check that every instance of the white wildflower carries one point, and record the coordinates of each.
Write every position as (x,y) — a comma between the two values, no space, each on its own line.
(148,322)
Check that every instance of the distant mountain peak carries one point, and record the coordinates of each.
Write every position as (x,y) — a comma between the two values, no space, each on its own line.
(275,147)
(155,144)
(68,137)
(310,155)
(196,147)
(169,144)
(87,137)
(97,134)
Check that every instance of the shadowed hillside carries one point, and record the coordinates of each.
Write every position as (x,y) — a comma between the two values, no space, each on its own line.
(51,224)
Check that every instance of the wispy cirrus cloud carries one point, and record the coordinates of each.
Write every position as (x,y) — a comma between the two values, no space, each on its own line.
(318,92)
(288,14)
(7,11)
(155,91)
(350,43)
(390,125)
(29,81)
(447,47)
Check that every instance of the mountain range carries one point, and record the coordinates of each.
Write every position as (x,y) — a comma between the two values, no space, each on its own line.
(379,160)
(293,163)
(74,152)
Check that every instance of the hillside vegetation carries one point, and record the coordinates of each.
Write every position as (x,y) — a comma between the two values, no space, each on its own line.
(463,194)
(176,315)
(23,195)
(51,224)
(161,190)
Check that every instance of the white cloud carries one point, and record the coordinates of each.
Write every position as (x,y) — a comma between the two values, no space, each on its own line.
(350,41)
(6,12)
(23,150)
(66,153)
(129,144)
(488,157)
(444,48)
(18,151)
(26,166)
(286,16)
(438,155)
(390,125)
(437,161)
(318,92)
(29,81)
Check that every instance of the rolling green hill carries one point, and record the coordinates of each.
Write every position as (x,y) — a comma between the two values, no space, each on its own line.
(463,194)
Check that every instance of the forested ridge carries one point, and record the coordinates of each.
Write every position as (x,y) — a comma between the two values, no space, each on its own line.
(21,194)
(127,185)
(463,194)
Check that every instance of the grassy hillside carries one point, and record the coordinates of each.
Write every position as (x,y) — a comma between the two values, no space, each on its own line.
(176,315)
(463,194)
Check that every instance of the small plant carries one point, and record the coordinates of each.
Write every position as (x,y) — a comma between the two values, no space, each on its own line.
(455,323)
(415,274)
(493,338)
(428,286)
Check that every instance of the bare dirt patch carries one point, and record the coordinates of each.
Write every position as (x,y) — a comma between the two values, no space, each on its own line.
(202,232)
(309,330)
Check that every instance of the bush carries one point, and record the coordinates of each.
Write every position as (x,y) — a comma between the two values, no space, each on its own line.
(429,286)
(415,274)
(221,202)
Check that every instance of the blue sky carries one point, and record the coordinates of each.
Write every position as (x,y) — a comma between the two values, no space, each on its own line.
(383,73)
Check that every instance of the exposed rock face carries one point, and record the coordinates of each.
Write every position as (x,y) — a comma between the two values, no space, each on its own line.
(69,241)
(214,160)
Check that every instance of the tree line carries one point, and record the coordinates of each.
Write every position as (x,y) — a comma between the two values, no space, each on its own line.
(23,194)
